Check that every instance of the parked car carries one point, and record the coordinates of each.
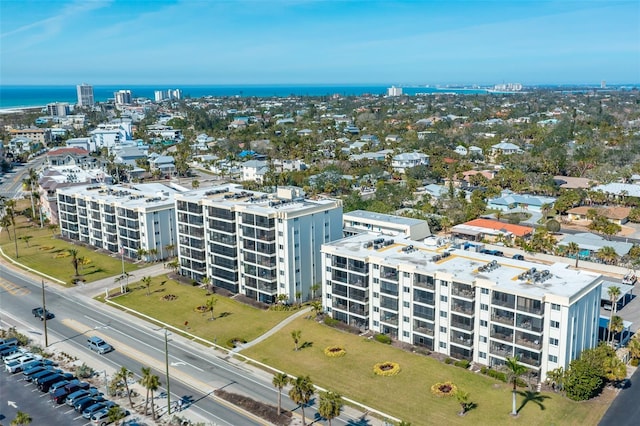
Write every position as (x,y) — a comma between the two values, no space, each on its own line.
(97,344)
(518,257)
(83,403)
(37,363)
(46,372)
(8,341)
(101,418)
(40,313)
(15,355)
(27,373)
(46,384)
(76,396)
(17,364)
(92,409)
(10,350)
(493,252)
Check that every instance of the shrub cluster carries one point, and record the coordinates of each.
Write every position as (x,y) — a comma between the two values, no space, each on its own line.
(383,338)
(335,351)
(463,363)
(231,343)
(386,368)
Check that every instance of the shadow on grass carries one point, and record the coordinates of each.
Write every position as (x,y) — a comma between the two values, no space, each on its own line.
(224,314)
(533,397)
(306,345)
(95,271)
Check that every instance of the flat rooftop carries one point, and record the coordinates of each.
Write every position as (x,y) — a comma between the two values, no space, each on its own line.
(509,275)
(381,217)
(143,195)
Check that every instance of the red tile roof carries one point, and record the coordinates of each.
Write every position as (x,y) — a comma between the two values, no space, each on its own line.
(517,230)
(68,150)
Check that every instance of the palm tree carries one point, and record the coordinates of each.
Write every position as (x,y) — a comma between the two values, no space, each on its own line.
(22,418)
(154,253)
(280,380)
(301,391)
(26,239)
(316,307)
(330,405)
(124,375)
(616,325)
(607,254)
(170,248)
(634,346)
(146,377)
(147,282)
(174,265)
(614,293)
(10,213)
(154,384)
(141,253)
(314,288)
(74,259)
(514,371)
(115,414)
(295,335)
(28,183)
(211,303)
(463,399)
(574,248)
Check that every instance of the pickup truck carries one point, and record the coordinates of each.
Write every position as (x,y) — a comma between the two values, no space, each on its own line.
(39,313)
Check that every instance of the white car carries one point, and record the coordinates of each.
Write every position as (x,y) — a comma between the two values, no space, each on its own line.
(16,365)
(18,354)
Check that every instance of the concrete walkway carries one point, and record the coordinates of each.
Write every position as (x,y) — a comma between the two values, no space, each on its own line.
(272,331)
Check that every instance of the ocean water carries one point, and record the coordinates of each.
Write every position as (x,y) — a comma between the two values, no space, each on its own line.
(32,96)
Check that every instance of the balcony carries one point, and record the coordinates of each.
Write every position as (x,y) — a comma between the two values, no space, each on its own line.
(462,325)
(423,281)
(462,290)
(502,336)
(530,361)
(532,309)
(424,330)
(529,340)
(504,317)
(503,299)
(389,274)
(463,308)
(389,319)
(501,350)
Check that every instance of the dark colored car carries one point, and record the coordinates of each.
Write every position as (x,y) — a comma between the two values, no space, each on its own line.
(518,257)
(76,396)
(43,374)
(28,372)
(87,401)
(90,410)
(39,313)
(45,385)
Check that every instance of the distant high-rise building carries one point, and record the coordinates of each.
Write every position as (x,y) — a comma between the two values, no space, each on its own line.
(394,91)
(162,95)
(58,109)
(603,84)
(122,97)
(85,95)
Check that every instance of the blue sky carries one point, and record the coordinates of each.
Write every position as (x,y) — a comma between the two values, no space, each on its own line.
(318,42)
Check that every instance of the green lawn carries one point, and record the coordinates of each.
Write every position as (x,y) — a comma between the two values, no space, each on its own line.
(407,395)
(232,319)
(49,255)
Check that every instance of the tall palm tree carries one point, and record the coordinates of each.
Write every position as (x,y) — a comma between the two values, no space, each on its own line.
(211,303)
(614,293)
(616,325)
(301,391)
(280,380)
(21,419)
(170,248)
(125,375)
(514,371)
(74,259)
(115,414)
(574,248)
(607,254)
(147,282)
(10,213)
(144,380)
(154,384)
(634,346)
(29,182)
(330,405)
(295,335)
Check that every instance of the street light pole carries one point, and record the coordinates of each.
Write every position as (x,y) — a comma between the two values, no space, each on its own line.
(166,361)
(44,316)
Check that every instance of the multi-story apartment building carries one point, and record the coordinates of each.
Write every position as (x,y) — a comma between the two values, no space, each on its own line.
(120,217)
(36,134)
(260,245)
(122,97)
(85,95)
(462,304)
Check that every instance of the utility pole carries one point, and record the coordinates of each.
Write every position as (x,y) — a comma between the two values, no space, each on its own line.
(44,316)
(166,361)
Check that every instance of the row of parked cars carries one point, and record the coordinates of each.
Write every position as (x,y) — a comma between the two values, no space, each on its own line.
(62,387)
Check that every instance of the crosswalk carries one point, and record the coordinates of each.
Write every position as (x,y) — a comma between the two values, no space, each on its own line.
(14,289)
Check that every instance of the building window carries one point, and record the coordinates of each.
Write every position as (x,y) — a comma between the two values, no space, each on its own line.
(443,329)
(405,334)
(405,274)
(484,307)
(329,296)
(443,314)
(483,339)
(443,345)
(555,324)
(376,323)
(405,319)
(553,341)
(375,266)
(555,307)
(483,323)
(376,280)
(482,355)
(484,290)
(406,289)
(406,304)
(376,309)
(553,358)
(443,298)
(376,294)
(281,247)
(444,283)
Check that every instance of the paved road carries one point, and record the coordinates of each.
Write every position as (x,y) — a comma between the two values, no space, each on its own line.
(625,410)
(195,370)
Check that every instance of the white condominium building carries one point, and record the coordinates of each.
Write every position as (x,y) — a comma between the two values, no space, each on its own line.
(85,95)
(462,304)
(260,245)
(120,217)
(362,221)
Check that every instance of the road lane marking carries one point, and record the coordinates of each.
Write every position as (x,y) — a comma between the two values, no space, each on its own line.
(14,289)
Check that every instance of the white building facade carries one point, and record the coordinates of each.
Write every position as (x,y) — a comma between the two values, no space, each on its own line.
(85,95)
(120,217)
(362,221)
(260,245)
(462,304)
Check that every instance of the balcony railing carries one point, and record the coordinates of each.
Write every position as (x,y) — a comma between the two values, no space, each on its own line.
(531,309)
(462,309)
(530,361)
(390,319)
(467,294)
(502,336)
(504,319)
(509,303)
(424,284)
(461,325)
(534,344)
(500,351)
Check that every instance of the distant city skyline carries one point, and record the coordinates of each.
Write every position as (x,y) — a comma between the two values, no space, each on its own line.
(190,42)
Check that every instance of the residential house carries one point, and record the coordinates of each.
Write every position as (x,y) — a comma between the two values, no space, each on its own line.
(512,201)
(492,230)
(254,170)
(408,160)
(590,244)
(505,148)
(71,157)
(619,215)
